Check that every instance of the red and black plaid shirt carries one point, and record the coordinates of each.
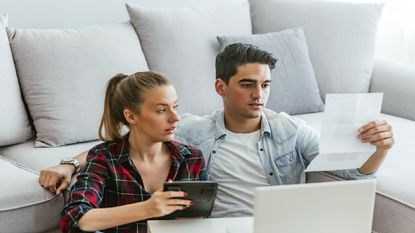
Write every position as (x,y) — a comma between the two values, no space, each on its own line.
(110,179)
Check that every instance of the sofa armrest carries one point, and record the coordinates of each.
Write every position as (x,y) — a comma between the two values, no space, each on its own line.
(397,82)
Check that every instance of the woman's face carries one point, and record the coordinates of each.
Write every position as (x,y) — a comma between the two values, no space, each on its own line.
(157,119)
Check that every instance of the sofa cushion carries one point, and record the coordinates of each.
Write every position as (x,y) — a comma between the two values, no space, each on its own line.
(294,88)
(41,158)
(181,43)
(23,201)
(63,74)
(14,124)
(340,35)
(395,189)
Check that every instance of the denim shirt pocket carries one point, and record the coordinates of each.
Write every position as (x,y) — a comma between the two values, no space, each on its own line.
(286,162)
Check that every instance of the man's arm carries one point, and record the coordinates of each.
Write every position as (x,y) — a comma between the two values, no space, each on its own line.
(58,177)
(378,133)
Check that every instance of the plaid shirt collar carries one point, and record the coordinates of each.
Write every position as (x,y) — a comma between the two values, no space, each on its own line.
(178,152)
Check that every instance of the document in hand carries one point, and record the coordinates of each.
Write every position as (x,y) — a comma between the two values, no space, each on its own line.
(343,115)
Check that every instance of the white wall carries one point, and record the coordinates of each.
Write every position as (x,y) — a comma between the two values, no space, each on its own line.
(74,13)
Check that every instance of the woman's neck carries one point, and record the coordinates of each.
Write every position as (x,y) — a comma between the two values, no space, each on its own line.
(145,150)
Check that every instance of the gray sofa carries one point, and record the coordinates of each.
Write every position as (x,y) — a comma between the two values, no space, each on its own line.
(52,82)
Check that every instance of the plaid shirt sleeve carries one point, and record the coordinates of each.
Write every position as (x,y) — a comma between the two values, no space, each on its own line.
(87,192)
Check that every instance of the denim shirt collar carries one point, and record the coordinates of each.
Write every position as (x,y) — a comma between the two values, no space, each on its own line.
(219,117)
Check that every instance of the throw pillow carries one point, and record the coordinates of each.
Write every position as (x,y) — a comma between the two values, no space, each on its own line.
(63,75)
(294,88)
(340,36)
(14,124)
(181,43)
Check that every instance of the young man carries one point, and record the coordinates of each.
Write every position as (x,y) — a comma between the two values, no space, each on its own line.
(246,145)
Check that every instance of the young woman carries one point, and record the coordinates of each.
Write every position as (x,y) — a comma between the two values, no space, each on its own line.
(121,184)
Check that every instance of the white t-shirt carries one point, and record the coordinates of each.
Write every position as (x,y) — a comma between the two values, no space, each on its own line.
(237,157)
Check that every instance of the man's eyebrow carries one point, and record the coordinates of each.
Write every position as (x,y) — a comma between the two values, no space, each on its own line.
(252,81)
(247,80)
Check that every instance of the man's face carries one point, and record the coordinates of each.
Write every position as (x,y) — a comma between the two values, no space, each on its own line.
(247,91)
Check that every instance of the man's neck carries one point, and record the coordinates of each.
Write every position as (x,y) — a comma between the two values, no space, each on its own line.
(238,124)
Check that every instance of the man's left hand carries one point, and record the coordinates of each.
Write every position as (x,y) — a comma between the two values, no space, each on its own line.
(378,133)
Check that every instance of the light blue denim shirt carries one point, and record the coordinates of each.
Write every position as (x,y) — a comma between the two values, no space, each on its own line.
(286,145)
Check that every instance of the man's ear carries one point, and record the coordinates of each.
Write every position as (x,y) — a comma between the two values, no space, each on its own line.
(220,87)
(129,116)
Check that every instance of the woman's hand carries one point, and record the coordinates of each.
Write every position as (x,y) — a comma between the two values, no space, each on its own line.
(56,178)
(164,203)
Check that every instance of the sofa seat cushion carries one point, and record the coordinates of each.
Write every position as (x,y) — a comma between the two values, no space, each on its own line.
(23,201)
(395,200)
(40,158)
(181,43)
(63,74)
(14,124)
(341,37)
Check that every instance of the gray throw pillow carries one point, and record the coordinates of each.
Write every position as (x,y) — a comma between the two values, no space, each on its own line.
(63,74)
(294,87)
(14,124)
(181,43)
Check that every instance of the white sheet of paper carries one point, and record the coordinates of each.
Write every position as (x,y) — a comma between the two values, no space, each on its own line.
(343,115)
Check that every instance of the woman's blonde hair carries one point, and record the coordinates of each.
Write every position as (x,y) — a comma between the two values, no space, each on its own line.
(125,92)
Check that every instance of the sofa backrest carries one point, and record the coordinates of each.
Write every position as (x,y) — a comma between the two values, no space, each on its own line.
(342,61)
(58,14)
(14,123)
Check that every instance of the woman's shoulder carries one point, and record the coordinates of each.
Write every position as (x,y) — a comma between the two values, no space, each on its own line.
(107,149)
(186,151)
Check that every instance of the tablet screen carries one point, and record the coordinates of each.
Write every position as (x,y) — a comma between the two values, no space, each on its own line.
(202,194)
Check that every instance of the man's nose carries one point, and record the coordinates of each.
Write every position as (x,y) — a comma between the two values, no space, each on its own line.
(257,93)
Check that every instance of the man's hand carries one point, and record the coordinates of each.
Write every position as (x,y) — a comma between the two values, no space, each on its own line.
(56,178)
(378,133)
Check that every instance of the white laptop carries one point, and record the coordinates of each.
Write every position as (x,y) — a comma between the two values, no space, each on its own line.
(330,207)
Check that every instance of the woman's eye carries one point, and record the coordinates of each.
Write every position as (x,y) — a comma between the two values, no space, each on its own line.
(175,106)
(161,110)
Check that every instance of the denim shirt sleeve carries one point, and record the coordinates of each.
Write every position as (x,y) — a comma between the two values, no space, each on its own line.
(308,145)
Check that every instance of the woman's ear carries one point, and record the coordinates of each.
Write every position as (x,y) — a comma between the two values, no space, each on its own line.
(129,116)
(220,87)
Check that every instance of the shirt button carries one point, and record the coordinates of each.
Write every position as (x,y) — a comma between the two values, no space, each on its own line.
(271,173)
(261,149)
(291,159)
(213,151)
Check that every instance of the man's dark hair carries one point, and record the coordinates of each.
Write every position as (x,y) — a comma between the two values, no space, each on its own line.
(235,55)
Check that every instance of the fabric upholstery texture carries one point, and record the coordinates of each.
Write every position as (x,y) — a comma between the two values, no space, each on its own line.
(340,35)
(294,87)
(14,125)
(188,57)
(23,202)
(64,86)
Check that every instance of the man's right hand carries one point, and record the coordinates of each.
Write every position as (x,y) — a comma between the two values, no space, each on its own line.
(56,178)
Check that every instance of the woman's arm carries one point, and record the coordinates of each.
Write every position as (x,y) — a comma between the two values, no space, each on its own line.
(160,204)
(58,178)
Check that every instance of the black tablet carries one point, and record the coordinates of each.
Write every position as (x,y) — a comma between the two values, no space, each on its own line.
(202,194)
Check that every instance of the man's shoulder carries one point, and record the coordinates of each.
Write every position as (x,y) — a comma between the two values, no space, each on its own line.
(284,127)
(283,118)
(196,129)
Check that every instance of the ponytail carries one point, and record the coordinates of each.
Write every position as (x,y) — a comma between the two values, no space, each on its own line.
(109,122)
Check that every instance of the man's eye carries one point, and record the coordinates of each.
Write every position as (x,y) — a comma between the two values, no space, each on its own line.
(176,106)
(265,85)
(246,85)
